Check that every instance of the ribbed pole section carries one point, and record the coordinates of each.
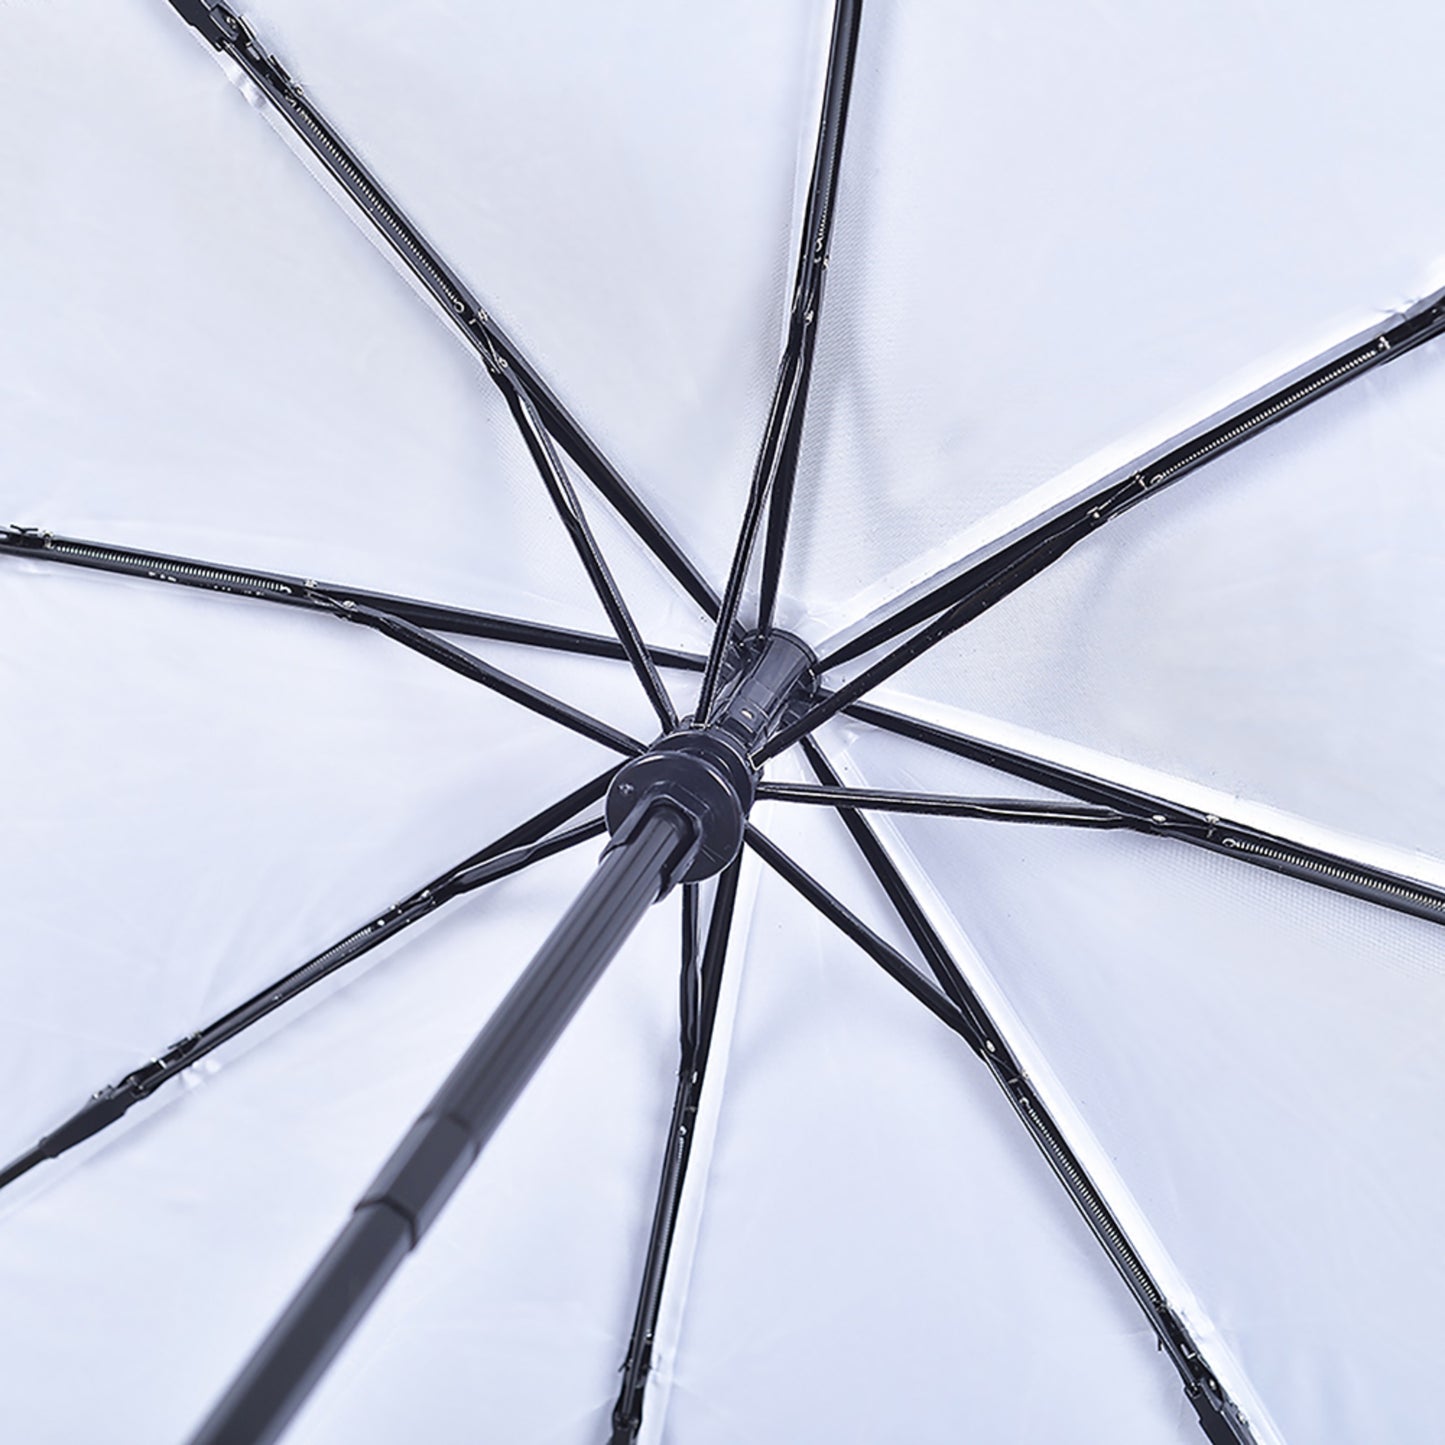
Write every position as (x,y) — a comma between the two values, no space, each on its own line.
(399,1207)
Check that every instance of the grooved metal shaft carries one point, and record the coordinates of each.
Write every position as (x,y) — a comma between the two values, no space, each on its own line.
(409,1192)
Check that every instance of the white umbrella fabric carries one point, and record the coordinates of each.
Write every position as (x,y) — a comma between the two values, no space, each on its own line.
(1123,422)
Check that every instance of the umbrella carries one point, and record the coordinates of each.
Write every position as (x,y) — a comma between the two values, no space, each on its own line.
(1011,683)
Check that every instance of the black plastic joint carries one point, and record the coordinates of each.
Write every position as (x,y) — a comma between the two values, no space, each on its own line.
(707,773)
(625,1427)
(102,1111)
(205,18)
(705,779)
(1213,1419)
(778,676)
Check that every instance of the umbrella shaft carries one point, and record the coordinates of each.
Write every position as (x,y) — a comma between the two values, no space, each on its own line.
(442,1145)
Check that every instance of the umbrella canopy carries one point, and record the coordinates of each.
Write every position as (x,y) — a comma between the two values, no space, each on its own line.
(1104,491)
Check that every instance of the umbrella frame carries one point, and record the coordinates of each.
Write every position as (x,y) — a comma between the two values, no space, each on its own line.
(678,810)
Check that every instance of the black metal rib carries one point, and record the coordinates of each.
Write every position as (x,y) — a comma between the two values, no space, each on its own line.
(893,963)
(963,596)
(993,810)
(227,33)
(808,296)
(464,664)
(574,520)
(420,1175)
(909,910)
(1169,819)
(1218,1415)
(777,460)
(526,844)
(701,989)
(205,576)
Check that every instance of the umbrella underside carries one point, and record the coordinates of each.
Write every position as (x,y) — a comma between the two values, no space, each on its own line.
(1201,983)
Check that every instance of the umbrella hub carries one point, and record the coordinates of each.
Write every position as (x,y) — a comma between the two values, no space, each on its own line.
(706,770)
